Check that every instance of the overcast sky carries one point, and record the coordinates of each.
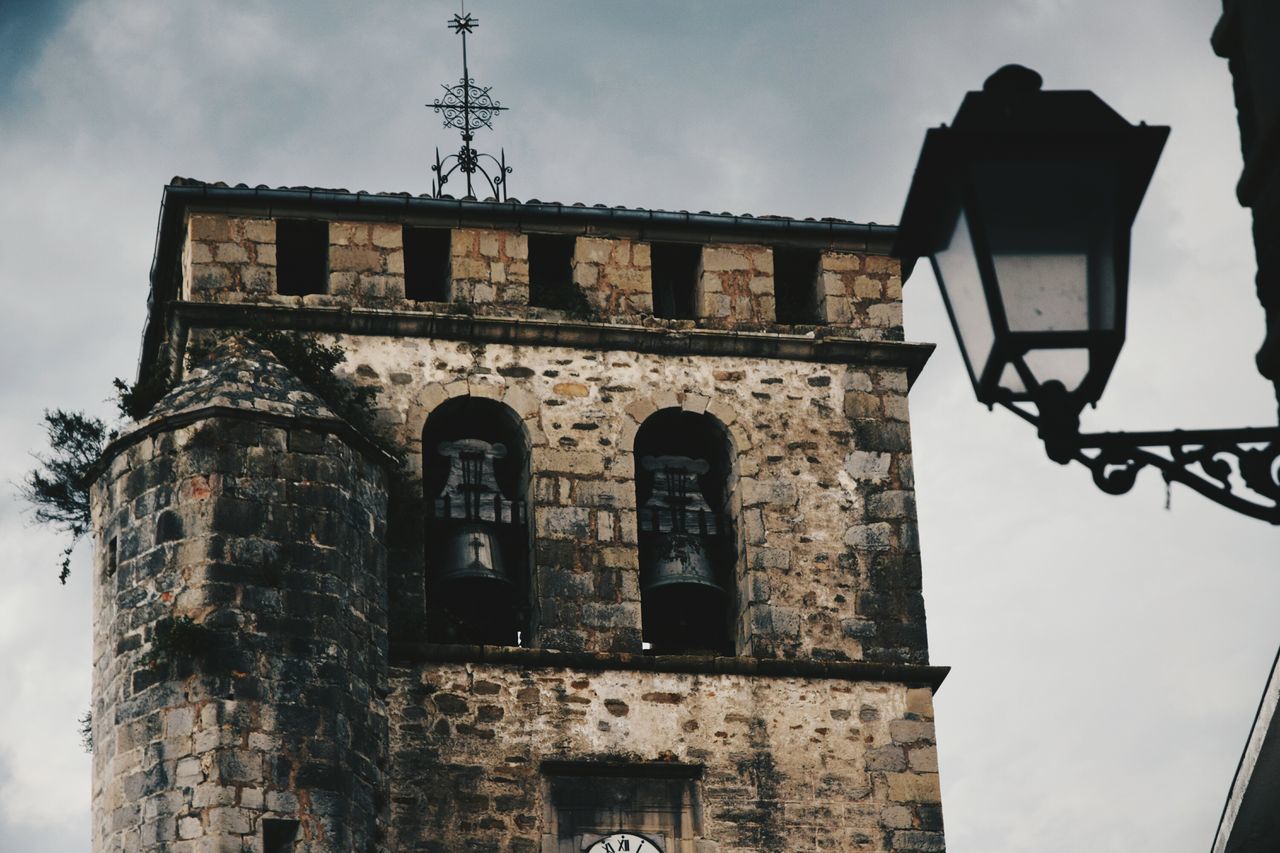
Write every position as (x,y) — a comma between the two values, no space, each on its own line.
(1107,654)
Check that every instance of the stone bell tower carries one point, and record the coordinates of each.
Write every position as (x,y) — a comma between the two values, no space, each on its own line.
(641,573)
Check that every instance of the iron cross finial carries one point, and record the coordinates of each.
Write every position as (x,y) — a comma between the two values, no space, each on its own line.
(463,23)
(467,107)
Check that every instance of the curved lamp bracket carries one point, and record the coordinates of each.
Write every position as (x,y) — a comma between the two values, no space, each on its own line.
(1237,468)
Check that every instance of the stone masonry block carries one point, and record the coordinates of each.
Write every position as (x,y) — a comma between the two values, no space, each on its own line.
(914,787)
(521,400)
(891,504)
(890,758)
(863,465)
(259,230)
(833,285)
(696,403)
(911,731)
(355,259)
(724,258)
(211,228)
(348,233)
(923,759)
(883,264)
(230,253)
(920,702)
(870,537)
(885,315)
(860,404)
(722,410)
(387,235)
(599,493)
(841,261)
(896,817)
(200,253)
(756,492)
(640,410)
(592,250)
(570,461)
(563,522)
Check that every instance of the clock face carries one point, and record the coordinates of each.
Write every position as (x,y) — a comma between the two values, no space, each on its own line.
(624,842)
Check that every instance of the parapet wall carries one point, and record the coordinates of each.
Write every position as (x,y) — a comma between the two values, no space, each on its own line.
(234,259)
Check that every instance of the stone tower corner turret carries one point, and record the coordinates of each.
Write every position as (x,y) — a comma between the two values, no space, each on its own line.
(240,620)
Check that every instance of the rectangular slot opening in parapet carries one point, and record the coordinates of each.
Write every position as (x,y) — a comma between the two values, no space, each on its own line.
(278,835)
(302,256)
(426,264)
(551,272)
(675,278)
(795,285)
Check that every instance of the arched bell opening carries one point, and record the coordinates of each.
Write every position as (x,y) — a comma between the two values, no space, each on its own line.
(475,485)
(688,546)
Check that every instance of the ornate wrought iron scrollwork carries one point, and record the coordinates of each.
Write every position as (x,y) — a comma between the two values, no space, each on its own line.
(469,162)
(1237,468)
(467,107)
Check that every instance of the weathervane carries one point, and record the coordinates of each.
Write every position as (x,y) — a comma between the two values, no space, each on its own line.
(468,108)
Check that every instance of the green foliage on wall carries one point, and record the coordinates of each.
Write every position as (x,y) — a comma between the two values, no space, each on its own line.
(58,488)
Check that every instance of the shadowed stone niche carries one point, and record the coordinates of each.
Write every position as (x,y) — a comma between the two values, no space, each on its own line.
(686,523)
(476,479)
(658,802)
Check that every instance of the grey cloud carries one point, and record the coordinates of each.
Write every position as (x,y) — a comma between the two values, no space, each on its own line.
(1107,654)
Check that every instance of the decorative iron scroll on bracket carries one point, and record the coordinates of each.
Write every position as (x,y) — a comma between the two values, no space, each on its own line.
(467,107)
(1236,468)
(1212,462)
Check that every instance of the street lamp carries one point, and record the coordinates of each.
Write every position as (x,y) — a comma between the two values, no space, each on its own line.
(1024,206)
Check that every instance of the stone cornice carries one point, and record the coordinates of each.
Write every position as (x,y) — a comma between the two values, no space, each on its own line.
(184,316)
(403,654)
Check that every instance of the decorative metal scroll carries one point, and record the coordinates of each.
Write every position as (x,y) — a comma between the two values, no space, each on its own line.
(467,107)
(1236,468)
(1239,468)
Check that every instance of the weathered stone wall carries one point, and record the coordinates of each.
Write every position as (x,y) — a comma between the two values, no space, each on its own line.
(229,259)
(828,563)
(269,703)
(735,286)
(366,265)
(272,541)
(789,764)
(490,267)
(616,275)
(861,291)
(233,259)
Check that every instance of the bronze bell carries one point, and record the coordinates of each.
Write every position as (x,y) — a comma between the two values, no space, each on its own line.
(472,552)
(677,560)
(468,512)
(677,526)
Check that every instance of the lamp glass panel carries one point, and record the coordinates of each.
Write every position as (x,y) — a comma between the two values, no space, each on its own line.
(1069,366)
(1010,380)
(956,268)
(1049,227)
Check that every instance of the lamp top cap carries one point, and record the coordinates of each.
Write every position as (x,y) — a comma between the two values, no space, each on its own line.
(1013,80)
